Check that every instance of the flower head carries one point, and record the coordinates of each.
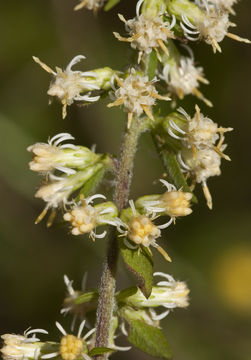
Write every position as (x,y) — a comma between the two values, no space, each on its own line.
(183,78)
(168,293)
(210,24)
(85,218)
(199,131)
(140,229)
(63,157)
(68,85)
(137,94)
(71,347)
(19,347)
(202,164)
(147,33)
(173,202)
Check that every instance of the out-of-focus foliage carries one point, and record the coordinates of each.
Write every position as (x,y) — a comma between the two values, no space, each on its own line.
(212,249)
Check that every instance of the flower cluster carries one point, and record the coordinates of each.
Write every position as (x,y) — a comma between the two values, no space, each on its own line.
(203,147)
(77,163)
(191,149)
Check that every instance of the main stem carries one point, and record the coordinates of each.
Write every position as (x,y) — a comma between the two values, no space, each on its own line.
(108,279)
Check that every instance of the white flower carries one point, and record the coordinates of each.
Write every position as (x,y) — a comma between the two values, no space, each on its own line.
(147,33)
(72,347)
(202,164)
(55,156)
(85,218)
(173,202)
(168,293)
(211,24)
(183,78)
(137,94)
(68,85)
(141,230)
(56,192)
(200,132)
(22,347)
(90,4)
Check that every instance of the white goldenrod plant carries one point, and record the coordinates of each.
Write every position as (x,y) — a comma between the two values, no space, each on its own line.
(191,148)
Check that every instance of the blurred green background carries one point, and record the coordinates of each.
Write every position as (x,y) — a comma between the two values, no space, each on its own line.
(211,250)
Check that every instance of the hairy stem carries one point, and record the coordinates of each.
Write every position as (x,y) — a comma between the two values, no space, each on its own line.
(108,281)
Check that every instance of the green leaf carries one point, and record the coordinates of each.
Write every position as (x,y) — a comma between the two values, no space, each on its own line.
(171,165)
(86,297)
(91,184)
(174,173)
(123,294)
(140,263)
(149,339)
(152,65)
(100,351)
(110,4)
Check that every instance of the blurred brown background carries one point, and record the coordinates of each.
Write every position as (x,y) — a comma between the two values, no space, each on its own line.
(211,249)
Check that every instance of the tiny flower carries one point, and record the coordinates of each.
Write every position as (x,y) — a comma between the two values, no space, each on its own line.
(183,78)
(137,94)
(173,202)
(62,157)
(19,347)
(85,218)
(147,33)
(69,305)
(68,85)
(71,347)
(94,5)
(200,131)
(211,25)
(168,293)
(57,191)
(202,164)
(141,230)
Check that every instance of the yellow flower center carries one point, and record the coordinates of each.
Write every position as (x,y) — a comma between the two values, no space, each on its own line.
(142,230)
(70,347)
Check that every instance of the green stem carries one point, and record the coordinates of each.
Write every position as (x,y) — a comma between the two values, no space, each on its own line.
(108,279)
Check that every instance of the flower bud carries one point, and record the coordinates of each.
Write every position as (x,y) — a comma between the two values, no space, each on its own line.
(85,218)
(173,202)
(168,293)
(19,347)
(65,158)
